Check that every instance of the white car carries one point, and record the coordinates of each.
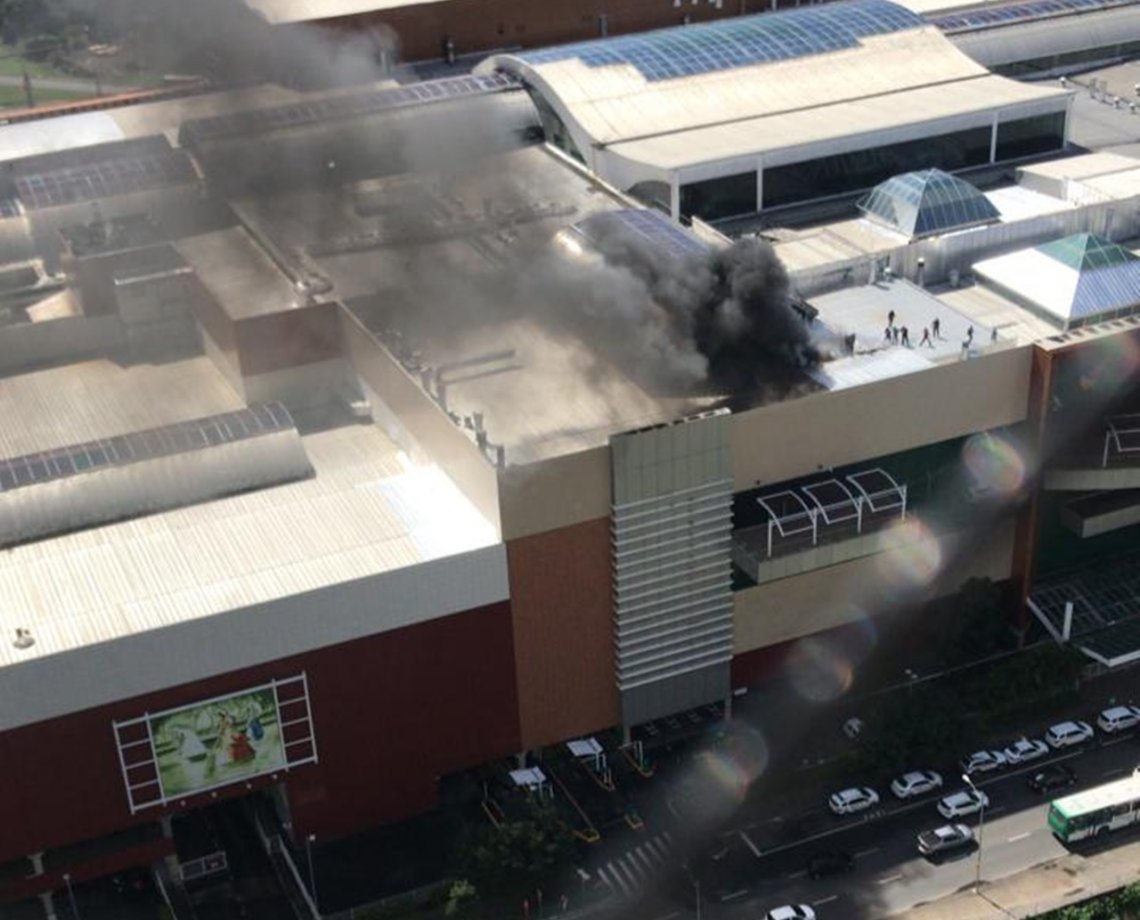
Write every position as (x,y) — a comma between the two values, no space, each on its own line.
(1025,750)
(983,762)
(1118,719)
(915,783)
(791,912)
(851,801)
(960,804)
(1066,734)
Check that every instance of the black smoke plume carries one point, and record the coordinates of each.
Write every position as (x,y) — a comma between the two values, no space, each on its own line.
(734,305)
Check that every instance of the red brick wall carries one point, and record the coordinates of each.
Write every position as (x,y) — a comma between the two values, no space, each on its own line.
(563,629)
(392,712)
(479,25)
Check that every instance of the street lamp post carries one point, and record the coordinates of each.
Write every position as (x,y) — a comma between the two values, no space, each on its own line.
(309,841)
(71,895)
(697,886)
(981,829)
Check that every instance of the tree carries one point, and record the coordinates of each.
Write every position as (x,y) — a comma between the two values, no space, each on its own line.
(525,850)
(919,726)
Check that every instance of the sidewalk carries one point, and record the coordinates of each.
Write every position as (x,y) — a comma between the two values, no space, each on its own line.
(1058,883)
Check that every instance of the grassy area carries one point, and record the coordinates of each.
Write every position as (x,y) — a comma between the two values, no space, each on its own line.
(13,65)
(13,96)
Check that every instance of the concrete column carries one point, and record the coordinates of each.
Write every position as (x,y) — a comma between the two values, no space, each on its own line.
(49,905)
(37,861)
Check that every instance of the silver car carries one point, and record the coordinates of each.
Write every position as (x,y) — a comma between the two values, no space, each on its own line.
(944,839)
(983,762)
(1025,750)
(961,804)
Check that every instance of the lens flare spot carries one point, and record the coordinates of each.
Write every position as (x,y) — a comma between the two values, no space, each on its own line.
(727,770)
(820,668)
(995,465)
(914,558)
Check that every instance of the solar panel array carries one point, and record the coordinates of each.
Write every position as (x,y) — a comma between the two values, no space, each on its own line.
(355,105)
(151,145)
(926,202)
(650,226)
(104,180)
(668,54)
(993,17)
(64,462)
(661,231)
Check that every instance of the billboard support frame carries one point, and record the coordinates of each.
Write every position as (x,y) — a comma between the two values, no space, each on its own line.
(138,800)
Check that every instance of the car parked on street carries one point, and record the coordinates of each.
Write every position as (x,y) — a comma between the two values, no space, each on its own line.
(945,839)
(983,762)
(791,912)
(1118,719)
(916,782)
(1050,777)
(965,802)
(829,862)
(853,800)
(1067,734)
(1025,750)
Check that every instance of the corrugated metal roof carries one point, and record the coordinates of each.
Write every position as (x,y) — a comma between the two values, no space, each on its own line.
(617,103)
(367,511)
(91,400)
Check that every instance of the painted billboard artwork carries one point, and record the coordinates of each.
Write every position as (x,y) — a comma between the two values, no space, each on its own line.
(223,741)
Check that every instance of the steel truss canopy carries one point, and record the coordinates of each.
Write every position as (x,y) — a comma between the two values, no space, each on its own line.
(830,503)
(1096,610)
(1121,436)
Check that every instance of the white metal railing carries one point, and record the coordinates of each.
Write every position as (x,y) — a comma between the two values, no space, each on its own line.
(302,889)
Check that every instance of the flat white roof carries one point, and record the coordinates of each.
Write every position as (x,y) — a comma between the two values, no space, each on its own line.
(853,123)
(282,11)
(367,511)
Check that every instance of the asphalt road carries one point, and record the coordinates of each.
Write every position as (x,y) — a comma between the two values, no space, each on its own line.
(762,867)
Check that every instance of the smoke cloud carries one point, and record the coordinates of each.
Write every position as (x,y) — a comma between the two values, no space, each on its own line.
(731,307)
(232,44)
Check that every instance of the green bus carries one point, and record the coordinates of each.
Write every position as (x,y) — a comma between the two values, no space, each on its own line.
(1094,811)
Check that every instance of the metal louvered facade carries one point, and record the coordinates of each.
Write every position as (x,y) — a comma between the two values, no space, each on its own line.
(672,566)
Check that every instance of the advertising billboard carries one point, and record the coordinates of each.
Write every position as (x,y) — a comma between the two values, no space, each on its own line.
(215,743)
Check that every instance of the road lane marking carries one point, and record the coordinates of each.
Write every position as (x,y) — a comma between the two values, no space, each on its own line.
(863,853)
(996,810)
(732,896)
(1017,837)
(1105,744)
(889,879)
(823,901)
(801,874)
(1115,772)
(748,842)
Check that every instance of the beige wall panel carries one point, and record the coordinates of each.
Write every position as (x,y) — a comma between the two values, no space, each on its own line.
(825,598)
(416,423)
(801,436)
(555,493)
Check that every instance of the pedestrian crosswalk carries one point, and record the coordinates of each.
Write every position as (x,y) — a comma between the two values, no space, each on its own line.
(631,871)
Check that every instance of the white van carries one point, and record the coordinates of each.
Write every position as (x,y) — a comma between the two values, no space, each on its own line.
(1118,719)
